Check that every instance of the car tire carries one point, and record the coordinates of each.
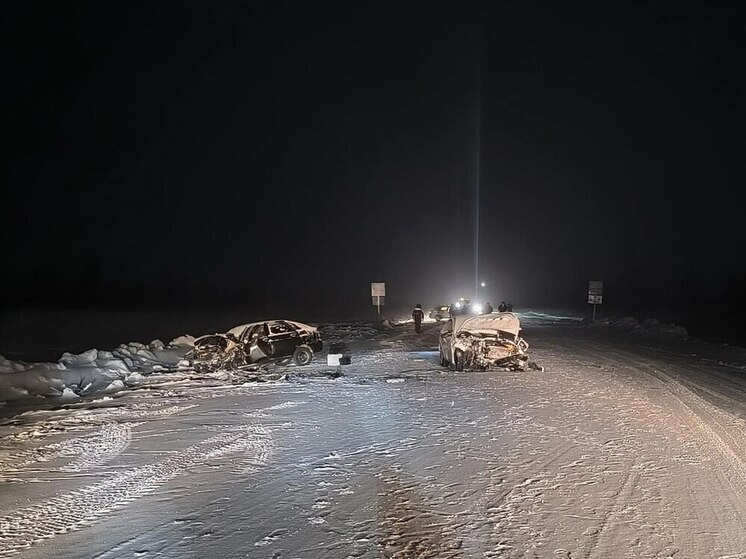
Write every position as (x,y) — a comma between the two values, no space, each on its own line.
(459,360)
(443,360)
(302,355)
(438,318)
(234,363)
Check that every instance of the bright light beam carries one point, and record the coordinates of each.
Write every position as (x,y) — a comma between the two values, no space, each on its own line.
(478,154)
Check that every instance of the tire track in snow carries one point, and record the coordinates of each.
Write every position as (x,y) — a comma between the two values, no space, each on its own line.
(620,500)
(720,435)
(716,438)
(408,526)
(503,503)
(714,435)
(76,509)
(110,442)
(539,486)
(91,450)
(719,395)
(717,435)
(85,419)
(721,438)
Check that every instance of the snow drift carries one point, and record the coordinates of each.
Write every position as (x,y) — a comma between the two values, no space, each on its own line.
(651,327)
(92,371)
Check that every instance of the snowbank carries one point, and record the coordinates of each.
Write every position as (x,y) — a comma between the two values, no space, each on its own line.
(352,330)
(548,318)
(90,372)
(649,327)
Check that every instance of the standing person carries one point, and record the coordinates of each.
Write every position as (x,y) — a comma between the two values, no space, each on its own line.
(502,307)
(418,315)
(487,308)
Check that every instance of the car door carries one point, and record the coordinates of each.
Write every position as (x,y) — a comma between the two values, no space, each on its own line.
(257,338)
(283,338)
(446,338)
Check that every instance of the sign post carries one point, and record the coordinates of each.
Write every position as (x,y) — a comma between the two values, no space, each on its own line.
(378,294)
(595,295)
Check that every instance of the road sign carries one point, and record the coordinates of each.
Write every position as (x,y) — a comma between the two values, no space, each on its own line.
(378,293)
(595,294)
(378,289)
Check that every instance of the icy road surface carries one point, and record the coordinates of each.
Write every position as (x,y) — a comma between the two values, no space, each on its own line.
(616,450)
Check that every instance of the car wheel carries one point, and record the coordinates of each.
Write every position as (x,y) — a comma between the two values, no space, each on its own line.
(302,355)
(438,318)
(234,363)
(443,360)
(459,360)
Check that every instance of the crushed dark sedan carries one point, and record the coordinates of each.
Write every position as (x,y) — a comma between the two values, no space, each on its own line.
(255,344)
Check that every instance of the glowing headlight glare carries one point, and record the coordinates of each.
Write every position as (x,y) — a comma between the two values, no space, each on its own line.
(458,304)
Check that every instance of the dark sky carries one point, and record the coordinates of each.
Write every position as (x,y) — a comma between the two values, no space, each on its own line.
(272,154)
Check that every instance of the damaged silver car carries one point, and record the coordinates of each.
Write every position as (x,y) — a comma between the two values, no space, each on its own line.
(484,342)
(255,344)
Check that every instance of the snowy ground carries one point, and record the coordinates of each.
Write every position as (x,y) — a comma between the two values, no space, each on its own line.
(621,448)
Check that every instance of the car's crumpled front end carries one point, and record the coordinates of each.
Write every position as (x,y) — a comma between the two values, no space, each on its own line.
(312,339)
(491,341)
(218,352)
(484,351)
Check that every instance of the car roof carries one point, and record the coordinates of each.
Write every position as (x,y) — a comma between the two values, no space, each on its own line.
(238,330)
(503,322)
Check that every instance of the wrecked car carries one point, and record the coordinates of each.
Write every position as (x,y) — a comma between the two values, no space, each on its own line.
(440,312)
(256,344)
(478,343)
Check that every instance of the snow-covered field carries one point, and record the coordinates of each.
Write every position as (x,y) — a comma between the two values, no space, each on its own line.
(625,446)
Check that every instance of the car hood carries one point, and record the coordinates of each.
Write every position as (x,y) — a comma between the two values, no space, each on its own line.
(208,338)
(502,322)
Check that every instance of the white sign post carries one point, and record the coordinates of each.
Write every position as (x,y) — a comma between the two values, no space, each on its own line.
(378,293)
(595,294)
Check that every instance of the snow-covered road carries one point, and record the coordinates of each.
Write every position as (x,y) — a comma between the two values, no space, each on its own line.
(616,450)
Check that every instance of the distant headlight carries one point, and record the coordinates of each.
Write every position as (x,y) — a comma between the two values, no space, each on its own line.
(477,308)
(458,305)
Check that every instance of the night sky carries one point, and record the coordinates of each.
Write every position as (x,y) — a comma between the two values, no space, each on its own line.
(268,155)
